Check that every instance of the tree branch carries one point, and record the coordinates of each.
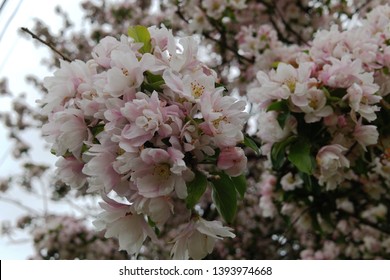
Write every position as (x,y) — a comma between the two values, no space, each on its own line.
(36,37)
(223,44)
(19,204)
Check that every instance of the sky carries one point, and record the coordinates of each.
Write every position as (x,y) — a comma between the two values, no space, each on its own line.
(18,57)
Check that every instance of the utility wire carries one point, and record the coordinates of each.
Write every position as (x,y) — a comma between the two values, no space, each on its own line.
(2,5)
(10,19)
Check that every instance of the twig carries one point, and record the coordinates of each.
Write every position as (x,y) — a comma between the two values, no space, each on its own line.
(34,36)
(296,220)
(81,209)
(220,42)
(19,204)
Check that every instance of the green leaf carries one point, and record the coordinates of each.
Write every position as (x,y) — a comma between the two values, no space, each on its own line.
(278,152)
(225,197)
(141,34)
(97,129)
(250,143)
(278,106)
(195,189)
(152,82)
(282,118)
(307,181)
(283,111)
(240,184)
(153,225)
(275,64)
(301,157)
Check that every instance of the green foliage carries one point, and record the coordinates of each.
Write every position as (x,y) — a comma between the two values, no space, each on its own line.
(240,184)
(283,111)
(250,143)
(141,34)
(152,82)
(278,152)
(225,196)
(195,189)
(301,157)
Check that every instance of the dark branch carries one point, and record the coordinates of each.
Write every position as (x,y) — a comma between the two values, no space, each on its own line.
(223,44)
(34,36)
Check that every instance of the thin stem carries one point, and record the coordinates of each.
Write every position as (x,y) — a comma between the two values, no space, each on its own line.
(81,209)
(296,220)
(36,37)
(220,42)
(19,204)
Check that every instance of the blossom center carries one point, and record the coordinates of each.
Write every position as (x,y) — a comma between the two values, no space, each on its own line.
(162,170)
(197,89)
(314,103)
(216,122)
(290,83)
(125,72)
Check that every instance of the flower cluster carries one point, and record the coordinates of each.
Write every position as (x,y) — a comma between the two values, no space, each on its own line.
(326,103)
(145,120)
(321,123)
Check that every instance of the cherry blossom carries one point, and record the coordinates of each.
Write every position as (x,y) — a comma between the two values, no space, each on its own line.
(331,162)
(198,238)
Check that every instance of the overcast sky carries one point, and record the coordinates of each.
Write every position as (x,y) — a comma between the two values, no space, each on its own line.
(19,57)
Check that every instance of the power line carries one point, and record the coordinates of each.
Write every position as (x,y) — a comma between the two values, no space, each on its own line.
(10,19)
(2,5)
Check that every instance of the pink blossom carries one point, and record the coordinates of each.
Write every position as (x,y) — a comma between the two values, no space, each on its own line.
(190,86)
(99,168)
(198,239)
(342,73)
(284,83)
(289,182)
(324,43)
(224,118)
(69,170)
(362,99)
(67,131)
(147,117)
(252,41)
(269,130)
(117,219)
(196,141)
(101,53)
(71,80)
(162,40)
(365,134)
(185,60)
(158,209)
(316,107)
(157,172)
(332,162)
(126,72)
(214,8)
(232,160)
